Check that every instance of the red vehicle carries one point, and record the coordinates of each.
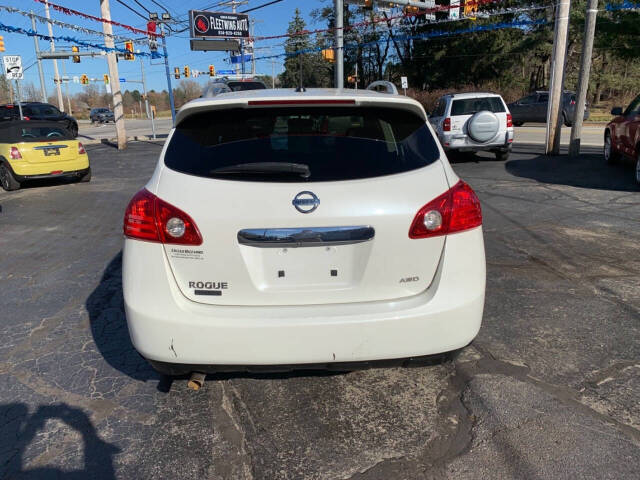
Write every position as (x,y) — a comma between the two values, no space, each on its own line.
(622,135)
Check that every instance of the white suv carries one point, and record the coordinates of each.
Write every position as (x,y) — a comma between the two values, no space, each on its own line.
(471,122)
(305,229)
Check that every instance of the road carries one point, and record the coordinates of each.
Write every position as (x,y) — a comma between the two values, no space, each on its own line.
(592,134)
(548,390)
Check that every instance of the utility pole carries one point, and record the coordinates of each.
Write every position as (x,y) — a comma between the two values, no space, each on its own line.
(43,88)
(583,82)
(146,99)
(66,86)
(339,34)
(172,103)
(56,74)
(554,114)
(118,112)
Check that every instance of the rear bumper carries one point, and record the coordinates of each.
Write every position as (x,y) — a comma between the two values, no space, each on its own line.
(73,173)
(166,327)
(30,171)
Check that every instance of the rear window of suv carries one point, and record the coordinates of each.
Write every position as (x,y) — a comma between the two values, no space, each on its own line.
(335,143)
(469,106)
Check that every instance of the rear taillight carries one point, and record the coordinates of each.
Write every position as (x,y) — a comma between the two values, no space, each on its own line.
(509,120)
(81,150)
(446,125)
(456,210)
(15,153)
(152,219)
(25,117)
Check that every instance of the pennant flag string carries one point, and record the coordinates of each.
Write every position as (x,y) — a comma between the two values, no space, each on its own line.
(70,11)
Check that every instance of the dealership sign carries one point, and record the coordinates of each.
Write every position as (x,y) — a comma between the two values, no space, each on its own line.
(218,24)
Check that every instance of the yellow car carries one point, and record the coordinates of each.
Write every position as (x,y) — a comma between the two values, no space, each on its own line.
(31,149)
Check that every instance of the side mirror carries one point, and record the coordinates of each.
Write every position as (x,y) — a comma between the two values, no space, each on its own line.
(616,111)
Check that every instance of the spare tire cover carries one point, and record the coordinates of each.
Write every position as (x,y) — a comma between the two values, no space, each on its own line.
(483,126)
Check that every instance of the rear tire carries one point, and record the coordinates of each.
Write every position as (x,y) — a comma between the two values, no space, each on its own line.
(610,155)
(7,179)
(86,177)
(74,130)
(502,155)
(518,124)
(565,120)
(638,168)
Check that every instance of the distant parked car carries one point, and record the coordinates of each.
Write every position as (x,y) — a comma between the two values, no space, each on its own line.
(39,111)
(471,122)
(101,115)
(533,108)
(622,135)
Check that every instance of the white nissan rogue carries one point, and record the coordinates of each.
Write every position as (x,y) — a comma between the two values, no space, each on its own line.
(301,230)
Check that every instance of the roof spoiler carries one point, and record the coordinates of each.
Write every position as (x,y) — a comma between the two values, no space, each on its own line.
(389,87)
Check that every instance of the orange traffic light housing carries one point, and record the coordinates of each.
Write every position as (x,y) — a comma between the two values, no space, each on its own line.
(470,9)
(329,55)
(84,80)
(212,71)
(187,71)
(176,73)
(106,79)
(128,46)
(1,43)
(75,58)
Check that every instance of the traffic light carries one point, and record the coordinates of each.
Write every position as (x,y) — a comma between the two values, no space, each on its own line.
(187,71)
(212,71)
(75,58)
(128,46)
(352,79)
(84,80)
(106,79)
(1,43)
(329,55)
(176,73)
(411,10)
(470,9)
(368,4)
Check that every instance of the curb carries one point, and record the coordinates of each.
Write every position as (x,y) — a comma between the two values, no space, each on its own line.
(114,140)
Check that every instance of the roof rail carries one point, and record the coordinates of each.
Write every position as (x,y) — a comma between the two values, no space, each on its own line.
(389,87)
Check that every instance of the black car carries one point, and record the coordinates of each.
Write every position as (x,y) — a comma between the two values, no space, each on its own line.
(39,111)
(101,115)
(533,108)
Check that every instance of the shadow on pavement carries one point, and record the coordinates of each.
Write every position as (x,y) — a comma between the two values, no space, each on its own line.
(20,428)
(587,171)
(109,326)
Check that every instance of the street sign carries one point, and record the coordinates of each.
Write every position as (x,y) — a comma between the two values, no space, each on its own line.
(454,10)
(226,72)
(13,67)
(123,80)
(404,83)
(238,58)
(204,24)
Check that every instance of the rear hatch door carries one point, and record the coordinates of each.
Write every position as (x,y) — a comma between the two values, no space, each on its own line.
(336,235)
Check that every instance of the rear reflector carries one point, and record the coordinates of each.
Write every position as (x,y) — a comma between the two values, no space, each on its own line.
(15,153)
(458,207)
(147,216)
(509,120)
(446,125)
(257,103)
(55,172)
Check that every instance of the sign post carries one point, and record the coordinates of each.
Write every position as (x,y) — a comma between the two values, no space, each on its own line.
(404,84)
(13,71)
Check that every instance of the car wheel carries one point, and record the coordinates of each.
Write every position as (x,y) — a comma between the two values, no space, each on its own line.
(74,129)
(7,180)
(638,169)
(502,155)
(86,177)
(610,155)
(565,120)
(518,124)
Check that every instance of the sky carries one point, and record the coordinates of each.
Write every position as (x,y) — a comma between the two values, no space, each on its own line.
(271,20)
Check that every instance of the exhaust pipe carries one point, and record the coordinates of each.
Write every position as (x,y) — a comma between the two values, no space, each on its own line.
(196,381)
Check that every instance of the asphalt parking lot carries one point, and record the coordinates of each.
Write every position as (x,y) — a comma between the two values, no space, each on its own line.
(549,389)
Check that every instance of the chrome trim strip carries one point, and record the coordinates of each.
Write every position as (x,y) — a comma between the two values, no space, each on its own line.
(50,147)
(304,237)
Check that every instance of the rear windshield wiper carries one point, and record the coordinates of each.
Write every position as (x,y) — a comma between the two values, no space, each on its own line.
(264,167)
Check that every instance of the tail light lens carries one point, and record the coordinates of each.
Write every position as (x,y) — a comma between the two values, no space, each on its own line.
(509,120)
(25,117)
(15,153)
(446,125)
(456,210)
(81,150)
(152,219)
